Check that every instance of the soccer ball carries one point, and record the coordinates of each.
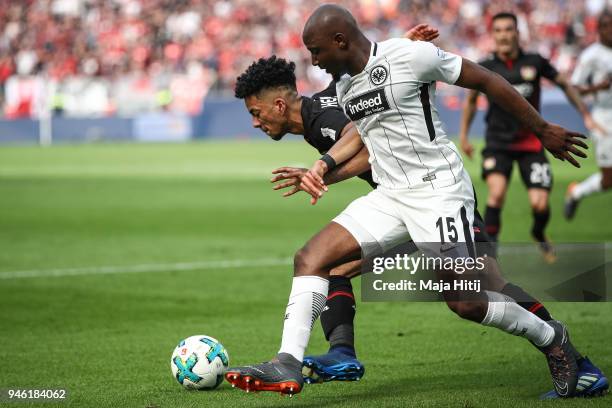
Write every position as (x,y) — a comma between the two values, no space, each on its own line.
(199,362)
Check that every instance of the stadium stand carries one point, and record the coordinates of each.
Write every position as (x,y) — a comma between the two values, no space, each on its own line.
(98,58)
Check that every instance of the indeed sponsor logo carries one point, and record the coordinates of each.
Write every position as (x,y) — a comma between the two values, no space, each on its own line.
(367,104)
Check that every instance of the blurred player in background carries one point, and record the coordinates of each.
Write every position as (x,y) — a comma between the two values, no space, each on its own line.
(593,76)
(507,141)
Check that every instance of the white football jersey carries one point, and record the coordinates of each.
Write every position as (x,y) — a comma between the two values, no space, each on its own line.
(392,102)
(594,65)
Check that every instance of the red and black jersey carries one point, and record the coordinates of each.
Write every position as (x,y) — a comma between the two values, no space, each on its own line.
(524,73)
(324,121)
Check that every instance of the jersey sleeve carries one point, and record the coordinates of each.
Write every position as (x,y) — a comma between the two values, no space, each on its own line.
(328,125)
(430,63)
(547,70)
(485,63)
(583,71)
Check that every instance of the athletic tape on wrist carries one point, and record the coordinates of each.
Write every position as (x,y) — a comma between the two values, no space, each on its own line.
(331,163)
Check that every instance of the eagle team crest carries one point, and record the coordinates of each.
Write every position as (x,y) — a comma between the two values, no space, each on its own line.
(378,75)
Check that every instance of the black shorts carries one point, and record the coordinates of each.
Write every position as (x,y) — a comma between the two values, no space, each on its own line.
(534,167)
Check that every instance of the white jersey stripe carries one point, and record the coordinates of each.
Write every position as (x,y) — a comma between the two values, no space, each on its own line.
(404,122)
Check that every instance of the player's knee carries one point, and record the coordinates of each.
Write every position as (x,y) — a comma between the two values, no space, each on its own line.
(496,199)
(470,310)
(305,263)
(300,262)
(539,205)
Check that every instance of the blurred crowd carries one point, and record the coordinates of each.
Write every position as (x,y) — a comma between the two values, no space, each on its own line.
(107,57)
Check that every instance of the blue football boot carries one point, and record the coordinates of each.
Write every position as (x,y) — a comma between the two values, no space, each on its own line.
(339,364)
(591,382)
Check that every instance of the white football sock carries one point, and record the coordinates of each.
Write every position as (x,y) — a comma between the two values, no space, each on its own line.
(587,187)
(306,302)
(505,314)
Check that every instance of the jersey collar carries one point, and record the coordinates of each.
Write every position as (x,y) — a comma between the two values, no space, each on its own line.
(373,49)
(519,55)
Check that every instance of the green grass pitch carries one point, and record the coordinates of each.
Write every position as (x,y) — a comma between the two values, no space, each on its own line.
(110,254)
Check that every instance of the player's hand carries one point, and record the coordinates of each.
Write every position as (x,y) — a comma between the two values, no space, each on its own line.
(467,148)
(592,125)
(561,142)
(291,175)
(312,182)
(422,32)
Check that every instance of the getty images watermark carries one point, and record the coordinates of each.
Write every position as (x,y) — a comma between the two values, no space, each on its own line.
(408,264)
(582,272)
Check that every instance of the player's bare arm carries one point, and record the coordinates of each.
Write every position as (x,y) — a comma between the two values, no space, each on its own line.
(469,110)
(573,96)
(560,142)
(292,176)
(351,168)
(355,166)
(594,88)
(349,145)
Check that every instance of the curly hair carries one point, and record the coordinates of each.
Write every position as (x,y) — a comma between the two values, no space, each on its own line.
(263,74)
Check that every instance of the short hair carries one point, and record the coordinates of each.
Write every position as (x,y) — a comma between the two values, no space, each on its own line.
(265,73)
(506,14)
(606,13)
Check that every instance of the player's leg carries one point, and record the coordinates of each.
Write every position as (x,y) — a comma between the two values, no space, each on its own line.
(340,363)
(373,223)
(539,202)
(366,225)
(537,177)
(591,380)
(496,171)
(493,277)
(540,207)
(339,311)
(332,246)
(595,183)
(375,226)
(455,206)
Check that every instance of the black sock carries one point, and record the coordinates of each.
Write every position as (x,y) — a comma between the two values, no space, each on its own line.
(493,221)
(340,338)
(540,221)
(526,301)
(339,313)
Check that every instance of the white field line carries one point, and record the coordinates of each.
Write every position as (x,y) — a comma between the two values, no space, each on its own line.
(223,264)
(145,268)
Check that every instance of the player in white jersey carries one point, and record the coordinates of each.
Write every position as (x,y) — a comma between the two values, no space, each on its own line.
(424,193)
(593,76)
